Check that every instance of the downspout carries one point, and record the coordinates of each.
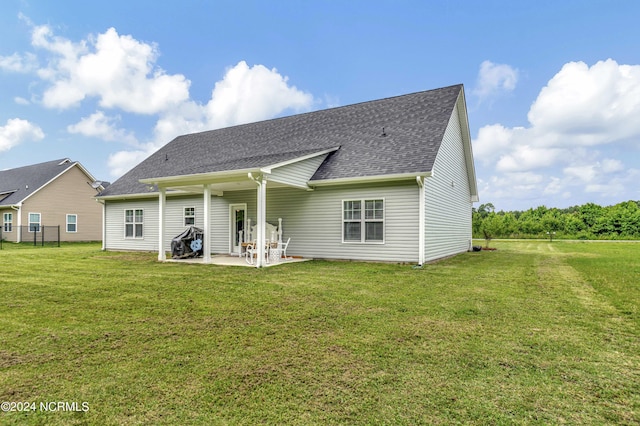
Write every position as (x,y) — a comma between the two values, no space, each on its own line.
(421,218)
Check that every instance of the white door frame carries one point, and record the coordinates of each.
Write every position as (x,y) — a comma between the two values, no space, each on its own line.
(233,233)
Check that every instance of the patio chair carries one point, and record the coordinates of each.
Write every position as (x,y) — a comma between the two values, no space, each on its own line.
(252,251)
(283,249)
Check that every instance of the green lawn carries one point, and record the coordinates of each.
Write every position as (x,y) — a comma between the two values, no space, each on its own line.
(533,333)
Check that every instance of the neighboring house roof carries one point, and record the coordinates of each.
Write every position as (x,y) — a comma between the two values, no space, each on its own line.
(16,185)
(393,136)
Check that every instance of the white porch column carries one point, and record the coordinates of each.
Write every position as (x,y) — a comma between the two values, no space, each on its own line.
(262,217)
(162,204)
(261,213)
(206,244)
(421,218)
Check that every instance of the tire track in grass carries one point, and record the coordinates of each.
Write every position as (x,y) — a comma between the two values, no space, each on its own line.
(607,360)
(553,268)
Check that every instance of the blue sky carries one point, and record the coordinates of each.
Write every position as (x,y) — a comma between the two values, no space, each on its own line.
(552,87)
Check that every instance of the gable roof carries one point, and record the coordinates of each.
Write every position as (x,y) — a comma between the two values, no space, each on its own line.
(392,136)
(20,183)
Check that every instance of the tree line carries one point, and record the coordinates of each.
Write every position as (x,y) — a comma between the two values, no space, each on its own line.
(586,222)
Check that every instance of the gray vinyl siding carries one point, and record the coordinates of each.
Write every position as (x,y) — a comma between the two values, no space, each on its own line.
(221,220)
(448,198)
(297,174)
(115,239)
(313,221)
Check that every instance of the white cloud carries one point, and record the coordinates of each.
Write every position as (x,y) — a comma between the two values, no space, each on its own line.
(494,79)
(17,131)
(492,140)
(610,165)
(19,63)
(590,105)
(581,111)
(117,69)
(21,101)
(102,126)
(123,161)
(247,94)
(527,157)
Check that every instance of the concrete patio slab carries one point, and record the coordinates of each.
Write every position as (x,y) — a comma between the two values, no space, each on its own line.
(228,260)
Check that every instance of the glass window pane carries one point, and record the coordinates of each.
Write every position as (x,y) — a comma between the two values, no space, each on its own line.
(138,231)
(351,210)
(128,230)
(356,211)
(374,231)
(379,209)
(128,216)
(352,231)
(139,216)
(374,209)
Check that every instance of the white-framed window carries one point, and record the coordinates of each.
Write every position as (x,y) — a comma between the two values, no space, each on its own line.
(72,223)
(363,221)
(7,222)
(133,223)
(189,216)
(34,222)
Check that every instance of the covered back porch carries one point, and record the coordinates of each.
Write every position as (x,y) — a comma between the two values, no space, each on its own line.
(245,233)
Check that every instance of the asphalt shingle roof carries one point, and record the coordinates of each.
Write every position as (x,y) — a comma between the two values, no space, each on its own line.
(414,125)
(24,181)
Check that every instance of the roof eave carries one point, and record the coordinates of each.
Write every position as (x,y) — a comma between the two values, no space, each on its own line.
(468,149)
(368,179)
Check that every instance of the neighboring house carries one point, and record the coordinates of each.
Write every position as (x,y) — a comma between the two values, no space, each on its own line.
(385,180)
(39,197)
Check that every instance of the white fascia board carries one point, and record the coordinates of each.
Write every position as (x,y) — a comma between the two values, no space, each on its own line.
(366,179)
(268,169)
(461,106)
(122,197)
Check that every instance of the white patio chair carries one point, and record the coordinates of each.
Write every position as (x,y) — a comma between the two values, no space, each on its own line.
(250,252)
(283,249)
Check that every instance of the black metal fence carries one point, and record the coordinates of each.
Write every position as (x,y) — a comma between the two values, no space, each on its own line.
(36,234)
